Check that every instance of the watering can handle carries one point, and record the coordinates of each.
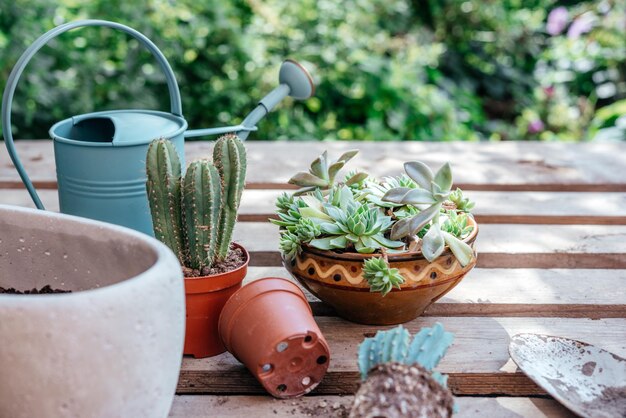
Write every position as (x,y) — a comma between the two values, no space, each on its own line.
(9,91)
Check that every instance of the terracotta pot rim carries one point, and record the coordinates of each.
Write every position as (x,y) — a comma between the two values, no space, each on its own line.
(248,293)
(220,281)
(405,256)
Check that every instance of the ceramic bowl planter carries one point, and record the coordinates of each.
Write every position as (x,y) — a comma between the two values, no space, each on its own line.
(113,346)
(337,279)
(206,296)
(268,326)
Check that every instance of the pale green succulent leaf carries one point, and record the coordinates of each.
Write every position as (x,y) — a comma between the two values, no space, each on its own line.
(348,155)
(461,250)
(433,243)
(310,212)
(443,178)
(418,221)
(357,178)
(387,242)
(418,196)
(307,179)
(321,243)
(396,195)
(334,169)
(318,169)
(420,173)
(330,228)
(400,229)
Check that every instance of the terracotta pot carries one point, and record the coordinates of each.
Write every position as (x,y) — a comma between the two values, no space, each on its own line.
(268,326)
(337,279)
(206,296)
(112,347)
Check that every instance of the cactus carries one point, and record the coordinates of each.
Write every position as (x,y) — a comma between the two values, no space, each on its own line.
(195,215)
(229,156)
(202,203)
(394,346)
(163,186)
(398,377)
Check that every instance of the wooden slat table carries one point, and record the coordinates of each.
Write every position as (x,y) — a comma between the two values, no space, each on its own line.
(552,259)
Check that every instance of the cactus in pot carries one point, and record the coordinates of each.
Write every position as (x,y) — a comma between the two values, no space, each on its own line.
(194,214)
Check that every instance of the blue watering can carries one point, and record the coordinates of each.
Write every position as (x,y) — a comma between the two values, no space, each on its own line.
(100,156)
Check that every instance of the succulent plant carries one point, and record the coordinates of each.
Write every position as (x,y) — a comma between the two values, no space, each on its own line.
(288,211)
(456,224)
(374,191)
(380,276)
(397,375)
(322,173)
(195,215)
(461,202)
(163,187)
(428,198)
(432,190)
(415,211)
(307,230)
(229,157)
(355,225)
(289,244)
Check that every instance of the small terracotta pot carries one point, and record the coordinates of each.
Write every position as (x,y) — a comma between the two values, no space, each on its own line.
(205,298)
(337,279)
(268,326)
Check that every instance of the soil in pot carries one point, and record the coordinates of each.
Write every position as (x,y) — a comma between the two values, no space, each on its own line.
(47,289)
(236,258)
(206,296)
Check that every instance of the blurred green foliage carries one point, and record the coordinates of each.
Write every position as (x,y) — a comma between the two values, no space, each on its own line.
(386,69)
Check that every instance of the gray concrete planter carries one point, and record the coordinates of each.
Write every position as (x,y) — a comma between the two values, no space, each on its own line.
(113,347)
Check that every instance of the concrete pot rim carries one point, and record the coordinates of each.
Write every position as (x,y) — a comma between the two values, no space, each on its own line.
(162,254)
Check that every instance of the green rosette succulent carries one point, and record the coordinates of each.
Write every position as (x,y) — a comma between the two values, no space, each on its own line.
(350,224)
(380,276)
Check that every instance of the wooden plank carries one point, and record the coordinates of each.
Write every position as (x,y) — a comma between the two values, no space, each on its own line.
(187,406)
(499,245)
(477,166)
(584,293)
(491,207)
(478,362)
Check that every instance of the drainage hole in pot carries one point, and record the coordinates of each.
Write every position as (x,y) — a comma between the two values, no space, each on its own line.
(322,359)
(433,275)
(282,346)
(266,368)
(306,381)
(337,277)
(311,271)
(281,387)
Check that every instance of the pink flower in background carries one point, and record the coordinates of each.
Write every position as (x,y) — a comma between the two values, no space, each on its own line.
(557,20)
(549,91)
(582,24)
(536,126)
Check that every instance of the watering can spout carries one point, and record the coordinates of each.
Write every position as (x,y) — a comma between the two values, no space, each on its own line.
(295,81)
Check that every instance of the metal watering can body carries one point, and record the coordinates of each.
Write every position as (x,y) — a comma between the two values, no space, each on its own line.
(100,156)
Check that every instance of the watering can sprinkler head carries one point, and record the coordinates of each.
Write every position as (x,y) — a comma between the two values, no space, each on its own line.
(295,81)
(300,83)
